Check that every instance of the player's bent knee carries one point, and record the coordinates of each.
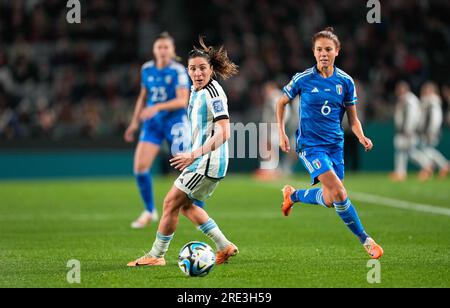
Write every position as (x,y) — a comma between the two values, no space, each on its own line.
(328,203)
(141,168)
(339,194)
(170,205)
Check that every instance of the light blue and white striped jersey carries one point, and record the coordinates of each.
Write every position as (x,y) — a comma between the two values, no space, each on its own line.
(207,106)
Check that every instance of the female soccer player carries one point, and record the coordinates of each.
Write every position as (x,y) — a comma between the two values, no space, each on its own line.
(161,106)
(326,93)
(207,164)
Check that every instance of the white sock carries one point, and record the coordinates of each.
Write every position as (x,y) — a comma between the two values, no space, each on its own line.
(161,245)
(211,230)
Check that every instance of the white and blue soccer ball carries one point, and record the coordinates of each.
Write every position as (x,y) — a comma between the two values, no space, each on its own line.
(196,259)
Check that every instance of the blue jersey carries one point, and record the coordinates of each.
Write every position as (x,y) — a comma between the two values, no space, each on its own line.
(323,102)
(161,85)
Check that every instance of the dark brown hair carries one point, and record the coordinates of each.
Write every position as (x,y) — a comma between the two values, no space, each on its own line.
(327,33)
(217,58)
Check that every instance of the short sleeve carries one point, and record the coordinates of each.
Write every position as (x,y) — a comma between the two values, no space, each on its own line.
(218,107)
(292,89)
(351,97)
(182,80)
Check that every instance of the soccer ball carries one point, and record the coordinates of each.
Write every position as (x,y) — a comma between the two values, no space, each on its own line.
(196,259)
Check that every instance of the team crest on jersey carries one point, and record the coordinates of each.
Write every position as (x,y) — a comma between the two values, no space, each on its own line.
(150,79)
(168,79)
(316,164)
(339,89)
(218,106)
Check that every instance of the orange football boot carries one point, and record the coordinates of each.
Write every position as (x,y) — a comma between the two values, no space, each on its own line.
(147,260)
(222,256)
(287,205)
(373,249)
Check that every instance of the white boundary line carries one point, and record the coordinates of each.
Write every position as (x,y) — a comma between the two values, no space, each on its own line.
(400,204)
(390,202)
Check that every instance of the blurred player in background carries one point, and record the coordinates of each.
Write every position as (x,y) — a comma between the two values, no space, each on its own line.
(161,106)
(271,168)
(432,118)
(207,164)
(326,93)
(408,117)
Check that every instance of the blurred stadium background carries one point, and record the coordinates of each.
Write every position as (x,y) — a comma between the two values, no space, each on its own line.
(67,90)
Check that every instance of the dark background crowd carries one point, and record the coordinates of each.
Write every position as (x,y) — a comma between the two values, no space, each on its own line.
(61,81)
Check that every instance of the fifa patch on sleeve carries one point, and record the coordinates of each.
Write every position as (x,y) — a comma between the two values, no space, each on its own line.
(218,106)
(289,86)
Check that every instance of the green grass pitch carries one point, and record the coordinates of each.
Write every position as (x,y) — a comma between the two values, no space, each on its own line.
(43,224)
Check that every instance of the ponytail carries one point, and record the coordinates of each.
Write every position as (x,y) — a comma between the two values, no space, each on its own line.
(217,58)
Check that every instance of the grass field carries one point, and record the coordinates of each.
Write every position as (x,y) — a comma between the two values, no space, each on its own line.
(43,224)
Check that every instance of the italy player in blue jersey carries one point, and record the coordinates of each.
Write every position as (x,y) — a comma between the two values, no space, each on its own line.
(161,107)
(326,94)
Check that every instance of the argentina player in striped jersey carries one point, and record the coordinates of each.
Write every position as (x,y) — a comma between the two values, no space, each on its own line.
(204,167)
(161,107)
(326,94)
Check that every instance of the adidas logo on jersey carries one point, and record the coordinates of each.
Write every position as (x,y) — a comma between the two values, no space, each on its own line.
(315,90)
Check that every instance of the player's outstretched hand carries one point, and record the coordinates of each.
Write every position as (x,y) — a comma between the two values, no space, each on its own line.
(367,143)
(149,112)
(285,145)
(129,133)
(182,161)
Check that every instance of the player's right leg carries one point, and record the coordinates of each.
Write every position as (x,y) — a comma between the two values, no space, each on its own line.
(400,159)
(174,201)
(146,152)
(316,162)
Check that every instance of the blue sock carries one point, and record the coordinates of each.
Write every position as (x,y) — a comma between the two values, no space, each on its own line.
(348,214)
(144,181)
(310,196)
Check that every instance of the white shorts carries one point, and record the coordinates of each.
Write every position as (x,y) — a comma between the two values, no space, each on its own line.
(195,185)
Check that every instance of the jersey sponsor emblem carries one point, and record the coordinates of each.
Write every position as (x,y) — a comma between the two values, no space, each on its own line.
(339,89)
(218,106)
(316,164)
(315,90)
(150,79)
(168,79)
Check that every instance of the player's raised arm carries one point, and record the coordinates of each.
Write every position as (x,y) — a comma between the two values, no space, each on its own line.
(134,124)
(281,107)
(355,125)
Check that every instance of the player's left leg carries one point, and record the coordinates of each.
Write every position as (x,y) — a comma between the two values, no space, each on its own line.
(335,195)
(202,189)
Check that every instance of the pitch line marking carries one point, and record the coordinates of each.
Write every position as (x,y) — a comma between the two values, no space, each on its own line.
(400,204)
(390,202)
